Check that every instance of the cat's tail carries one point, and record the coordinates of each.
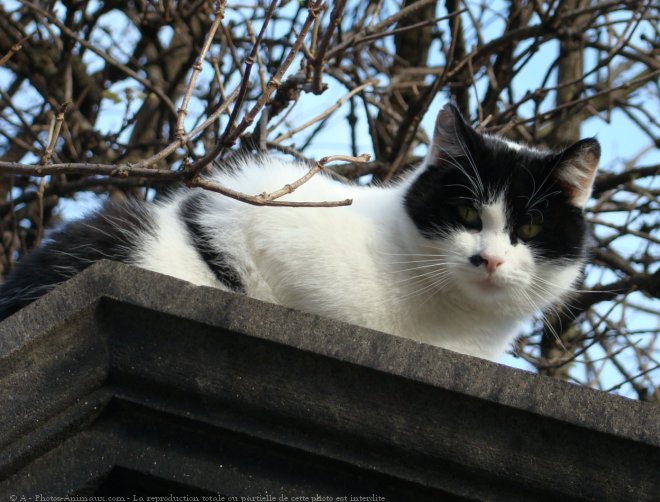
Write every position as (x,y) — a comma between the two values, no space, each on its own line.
(113,233)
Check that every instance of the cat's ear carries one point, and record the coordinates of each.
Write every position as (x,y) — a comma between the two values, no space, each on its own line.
(576,170)
(452,135)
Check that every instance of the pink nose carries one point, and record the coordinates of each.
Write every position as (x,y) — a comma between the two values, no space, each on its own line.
(492,262)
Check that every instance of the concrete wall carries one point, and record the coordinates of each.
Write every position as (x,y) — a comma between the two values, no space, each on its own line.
(126,382)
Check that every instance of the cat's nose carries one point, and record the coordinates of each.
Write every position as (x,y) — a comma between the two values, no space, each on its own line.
(490,261)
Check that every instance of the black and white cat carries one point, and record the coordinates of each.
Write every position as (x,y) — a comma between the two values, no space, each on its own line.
(474,241)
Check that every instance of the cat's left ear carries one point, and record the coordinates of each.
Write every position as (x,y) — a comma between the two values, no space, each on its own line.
(576,170)
(452,136)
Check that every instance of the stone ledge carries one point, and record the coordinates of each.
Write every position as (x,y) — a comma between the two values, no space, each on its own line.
(118,359)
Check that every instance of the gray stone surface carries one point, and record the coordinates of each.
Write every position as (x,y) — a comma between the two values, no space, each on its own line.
(123,381)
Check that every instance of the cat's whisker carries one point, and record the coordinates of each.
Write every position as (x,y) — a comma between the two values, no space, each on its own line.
(406,254)
(406,297)
(540,290)
(548,293)
(471,161)
(475,196)
(433,245)
(533,180)
(550,328)
(420,267)
(572,290)
(425,260)
(420,277)
(552,309)
(426,288)
(477,185)
(534,210)
(533,305)
(536,190)
(544,197)
(424,264)
(438,287)
(554,333)
(414,278)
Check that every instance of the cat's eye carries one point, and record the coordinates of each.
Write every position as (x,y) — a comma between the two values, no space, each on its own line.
(469,216)
(529,231)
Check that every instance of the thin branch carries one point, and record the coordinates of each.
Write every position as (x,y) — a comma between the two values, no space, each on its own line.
(609,181)
(102,54)
(88,169)
(269,199)
(197,68)
(228,138)
(14,49)
(289,188)
(321,50)
(327,112)
(54,133)
(249,62)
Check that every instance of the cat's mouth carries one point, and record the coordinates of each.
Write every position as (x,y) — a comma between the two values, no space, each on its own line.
(489,284)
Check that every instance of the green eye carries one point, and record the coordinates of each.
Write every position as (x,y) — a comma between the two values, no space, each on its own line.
(529,231)
(469,215)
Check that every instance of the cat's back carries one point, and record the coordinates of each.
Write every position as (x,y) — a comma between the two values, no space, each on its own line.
(363,206)
(263,174)
(208,239)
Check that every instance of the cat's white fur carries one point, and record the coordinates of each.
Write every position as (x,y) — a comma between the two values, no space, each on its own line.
(365,263)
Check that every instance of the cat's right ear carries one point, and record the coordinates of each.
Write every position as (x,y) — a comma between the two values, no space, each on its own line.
(576,168)
(452,136)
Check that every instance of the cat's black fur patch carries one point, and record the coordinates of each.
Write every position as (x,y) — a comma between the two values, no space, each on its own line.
(433,199)
(110,233)
(189,212)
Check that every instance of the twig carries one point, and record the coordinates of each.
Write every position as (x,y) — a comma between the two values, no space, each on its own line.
(54,133)
(249,62)
(40,204)
(197,68)
(608,181)
(260,62)
(327,112)
(408,128)
(354,40)
(119,170)
(269,199)
(102,54)
(289,188)
(14,49)
(126,170)
(275,81)
(321,50)
(229,139)
(187,137)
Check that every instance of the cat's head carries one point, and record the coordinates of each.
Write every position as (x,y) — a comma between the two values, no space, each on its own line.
(505,220)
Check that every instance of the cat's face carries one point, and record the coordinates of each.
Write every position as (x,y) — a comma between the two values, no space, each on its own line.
(505,221)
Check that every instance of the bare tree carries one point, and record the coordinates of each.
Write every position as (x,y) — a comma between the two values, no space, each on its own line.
(117,97)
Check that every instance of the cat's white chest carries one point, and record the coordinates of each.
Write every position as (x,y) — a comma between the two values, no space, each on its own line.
(460,329)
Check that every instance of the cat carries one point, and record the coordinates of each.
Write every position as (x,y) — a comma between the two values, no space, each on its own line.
(457,254)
